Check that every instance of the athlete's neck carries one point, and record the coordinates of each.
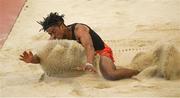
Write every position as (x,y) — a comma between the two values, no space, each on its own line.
(68,34)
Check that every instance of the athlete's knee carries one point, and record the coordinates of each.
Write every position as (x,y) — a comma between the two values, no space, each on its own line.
(109,76)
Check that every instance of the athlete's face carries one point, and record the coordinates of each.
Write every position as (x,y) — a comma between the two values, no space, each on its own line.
(56,31)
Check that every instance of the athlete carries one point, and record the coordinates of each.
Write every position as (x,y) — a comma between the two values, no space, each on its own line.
(89,39)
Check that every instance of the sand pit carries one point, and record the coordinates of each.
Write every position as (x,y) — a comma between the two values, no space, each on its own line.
(128,26)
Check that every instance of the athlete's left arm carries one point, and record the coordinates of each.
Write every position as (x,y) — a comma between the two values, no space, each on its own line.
(82,32)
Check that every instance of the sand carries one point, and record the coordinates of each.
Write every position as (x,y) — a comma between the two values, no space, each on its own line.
(128,26)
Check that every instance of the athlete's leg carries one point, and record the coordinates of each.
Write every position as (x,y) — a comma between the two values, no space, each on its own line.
(109,71)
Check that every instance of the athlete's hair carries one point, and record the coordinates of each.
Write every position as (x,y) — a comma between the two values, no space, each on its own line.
(51,20)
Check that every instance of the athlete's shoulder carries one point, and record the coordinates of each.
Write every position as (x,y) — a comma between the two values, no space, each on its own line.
(81,28)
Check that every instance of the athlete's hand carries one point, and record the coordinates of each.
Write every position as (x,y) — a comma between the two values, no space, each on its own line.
(87,68)
(27,57)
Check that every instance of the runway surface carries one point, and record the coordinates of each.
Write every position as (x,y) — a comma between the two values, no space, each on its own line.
(9,11)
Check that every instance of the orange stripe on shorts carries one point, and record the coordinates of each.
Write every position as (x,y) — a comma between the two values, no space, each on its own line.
(107,51)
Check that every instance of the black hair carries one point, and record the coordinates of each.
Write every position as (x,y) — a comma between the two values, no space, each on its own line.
(50,20)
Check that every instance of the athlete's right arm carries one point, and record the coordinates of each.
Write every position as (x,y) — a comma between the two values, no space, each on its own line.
(29,57)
